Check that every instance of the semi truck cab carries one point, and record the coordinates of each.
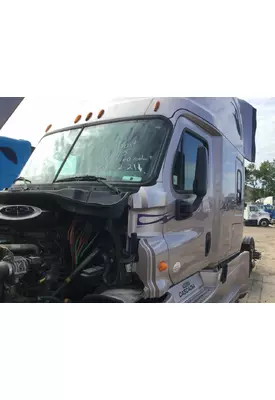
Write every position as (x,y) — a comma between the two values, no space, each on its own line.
(138,200)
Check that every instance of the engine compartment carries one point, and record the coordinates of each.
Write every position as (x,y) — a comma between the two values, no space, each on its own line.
(59,256)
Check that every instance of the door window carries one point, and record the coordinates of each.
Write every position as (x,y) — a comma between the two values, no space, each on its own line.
(184,169)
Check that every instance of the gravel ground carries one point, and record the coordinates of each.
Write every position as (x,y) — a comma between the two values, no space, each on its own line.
(262,282)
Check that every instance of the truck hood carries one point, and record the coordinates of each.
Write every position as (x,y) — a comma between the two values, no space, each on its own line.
(8,105)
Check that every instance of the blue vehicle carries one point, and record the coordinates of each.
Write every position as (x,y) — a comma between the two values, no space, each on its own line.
(13,153)
(269,209)
(13,156)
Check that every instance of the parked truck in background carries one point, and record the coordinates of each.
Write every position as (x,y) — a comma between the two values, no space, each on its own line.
(267,204)
(257,215)
(138,200)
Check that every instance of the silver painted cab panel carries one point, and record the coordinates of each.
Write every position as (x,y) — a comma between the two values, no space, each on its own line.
(186,239)
(182,244)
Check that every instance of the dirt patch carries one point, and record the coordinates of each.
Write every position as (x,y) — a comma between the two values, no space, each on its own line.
(262,282)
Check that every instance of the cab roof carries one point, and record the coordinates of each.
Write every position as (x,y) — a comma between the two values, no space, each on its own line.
(228,116)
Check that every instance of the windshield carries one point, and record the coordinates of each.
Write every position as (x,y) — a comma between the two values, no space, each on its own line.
(120,152)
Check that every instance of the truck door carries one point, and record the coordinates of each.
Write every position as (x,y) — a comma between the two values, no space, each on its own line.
(189,241)
(237,207)
(253,213)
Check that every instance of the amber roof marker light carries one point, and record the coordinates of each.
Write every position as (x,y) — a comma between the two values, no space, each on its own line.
(48,128)
(78,118)
(100,114)
(89,116)
(157,106)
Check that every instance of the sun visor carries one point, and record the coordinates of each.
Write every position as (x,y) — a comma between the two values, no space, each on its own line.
(249,123)
(7,107)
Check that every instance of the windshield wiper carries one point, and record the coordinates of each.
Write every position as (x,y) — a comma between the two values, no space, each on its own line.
(24,180)
(89,178)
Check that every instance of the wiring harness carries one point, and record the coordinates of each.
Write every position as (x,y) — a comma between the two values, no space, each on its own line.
(79,243)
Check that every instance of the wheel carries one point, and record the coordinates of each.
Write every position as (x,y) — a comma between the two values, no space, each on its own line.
(249,245)
(264,223)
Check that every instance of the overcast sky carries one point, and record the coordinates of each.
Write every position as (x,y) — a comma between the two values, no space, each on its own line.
(35,114)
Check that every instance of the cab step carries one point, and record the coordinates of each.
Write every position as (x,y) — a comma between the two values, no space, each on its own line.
(201,296)
(193,290)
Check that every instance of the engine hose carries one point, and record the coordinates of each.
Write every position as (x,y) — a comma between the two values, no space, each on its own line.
(120,272)
(5,271)
(76,272)
(48,299)
(19,248)
(107,271)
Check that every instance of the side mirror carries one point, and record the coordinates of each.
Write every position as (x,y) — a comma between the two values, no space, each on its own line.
(184,210)
(200,182)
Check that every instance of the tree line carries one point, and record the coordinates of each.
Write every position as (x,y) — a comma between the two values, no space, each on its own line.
(260,182)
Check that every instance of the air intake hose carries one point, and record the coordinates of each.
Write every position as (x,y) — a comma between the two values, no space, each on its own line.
(5,270)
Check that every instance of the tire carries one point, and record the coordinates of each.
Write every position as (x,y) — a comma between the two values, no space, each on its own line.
(249,245)
(264,223)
